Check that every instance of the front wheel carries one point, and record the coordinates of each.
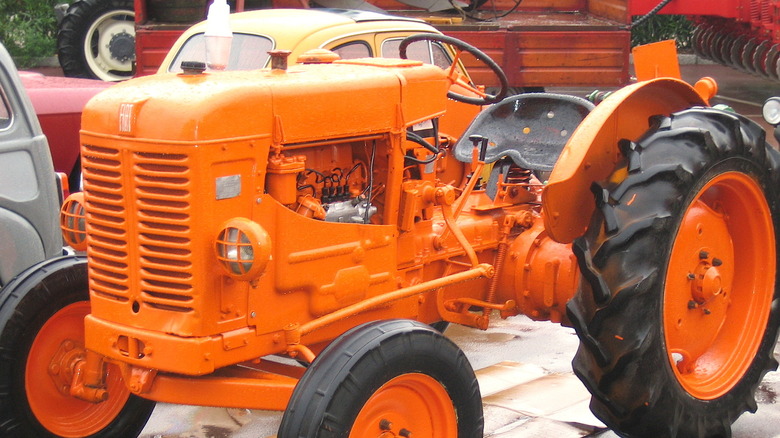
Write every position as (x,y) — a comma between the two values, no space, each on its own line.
(383,379)
(41,337)
(679,313)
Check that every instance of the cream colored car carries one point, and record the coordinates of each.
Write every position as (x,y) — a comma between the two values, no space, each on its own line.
(349,33)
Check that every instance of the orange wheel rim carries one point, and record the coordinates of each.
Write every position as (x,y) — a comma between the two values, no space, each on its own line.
(408,405)
(719,285)
(59,343)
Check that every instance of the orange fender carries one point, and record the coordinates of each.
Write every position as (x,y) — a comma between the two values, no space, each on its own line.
(592,151)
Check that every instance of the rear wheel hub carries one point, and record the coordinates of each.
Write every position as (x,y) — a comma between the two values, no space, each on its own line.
(122,46)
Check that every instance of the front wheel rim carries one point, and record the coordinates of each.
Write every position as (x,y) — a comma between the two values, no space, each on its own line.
(58,412)
(719,285)
(408,405)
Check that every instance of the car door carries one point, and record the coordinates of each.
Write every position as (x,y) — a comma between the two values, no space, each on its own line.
(29,204)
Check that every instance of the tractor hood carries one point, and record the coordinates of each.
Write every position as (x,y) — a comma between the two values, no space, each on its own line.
(302,103)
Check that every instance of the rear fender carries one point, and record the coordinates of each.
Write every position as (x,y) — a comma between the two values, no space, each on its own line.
(592,152)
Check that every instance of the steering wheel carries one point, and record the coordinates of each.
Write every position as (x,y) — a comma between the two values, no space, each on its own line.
(455,76)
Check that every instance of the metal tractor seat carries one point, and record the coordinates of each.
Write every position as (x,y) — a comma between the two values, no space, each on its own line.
(530,128)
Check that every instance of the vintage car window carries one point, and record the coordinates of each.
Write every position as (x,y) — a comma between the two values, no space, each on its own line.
(425,51)
(247,52)
(5,111)
(441,58)
(353,50)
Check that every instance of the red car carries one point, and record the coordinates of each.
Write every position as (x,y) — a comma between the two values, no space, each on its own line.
(58,103)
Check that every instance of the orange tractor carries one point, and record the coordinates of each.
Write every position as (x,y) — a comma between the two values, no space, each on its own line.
(284,239)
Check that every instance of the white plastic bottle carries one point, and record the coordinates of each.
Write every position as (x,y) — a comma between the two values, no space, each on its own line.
(218,35)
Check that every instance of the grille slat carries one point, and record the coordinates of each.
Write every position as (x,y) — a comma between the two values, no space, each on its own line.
(106,273)
(109,260)
(173,227)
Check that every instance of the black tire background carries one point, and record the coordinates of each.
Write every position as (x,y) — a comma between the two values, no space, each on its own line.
(26,303)
(328,398)
(623,258)
(73,29)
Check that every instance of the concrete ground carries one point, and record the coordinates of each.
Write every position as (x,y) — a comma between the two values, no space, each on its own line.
(528,391)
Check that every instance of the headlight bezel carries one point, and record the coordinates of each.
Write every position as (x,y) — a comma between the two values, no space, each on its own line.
(243,249)
(73,221)
(771,111)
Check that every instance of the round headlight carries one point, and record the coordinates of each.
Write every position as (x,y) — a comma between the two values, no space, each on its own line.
(73,221)
(243,248)
(772,111)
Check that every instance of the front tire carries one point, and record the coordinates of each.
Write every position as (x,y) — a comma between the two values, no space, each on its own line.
(41,328)
(387,377)
(679,311)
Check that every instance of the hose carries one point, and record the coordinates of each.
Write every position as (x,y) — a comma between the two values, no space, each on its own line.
(652,12)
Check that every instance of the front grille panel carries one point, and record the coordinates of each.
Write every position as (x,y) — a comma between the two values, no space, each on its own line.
(139,212)
(108,256)
(162,187)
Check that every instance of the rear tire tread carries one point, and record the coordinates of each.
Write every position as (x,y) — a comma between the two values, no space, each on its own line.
(697,140)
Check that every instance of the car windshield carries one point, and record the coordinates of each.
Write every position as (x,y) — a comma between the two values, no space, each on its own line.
(247,52)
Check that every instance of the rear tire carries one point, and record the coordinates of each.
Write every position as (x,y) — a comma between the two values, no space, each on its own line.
(387,376)
(41,315)
(96,40)
(679,311)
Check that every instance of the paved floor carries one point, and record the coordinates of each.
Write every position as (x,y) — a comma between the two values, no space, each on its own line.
(528,391)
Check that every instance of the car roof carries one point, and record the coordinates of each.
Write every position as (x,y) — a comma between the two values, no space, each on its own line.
(308,21)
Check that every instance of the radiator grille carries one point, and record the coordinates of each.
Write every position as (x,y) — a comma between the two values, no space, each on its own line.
(139,212)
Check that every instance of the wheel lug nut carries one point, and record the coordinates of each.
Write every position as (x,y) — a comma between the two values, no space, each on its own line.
(405,433)
(717,262)
(691,304)
(707,311)
(691,276)
(385,424)
(704,255)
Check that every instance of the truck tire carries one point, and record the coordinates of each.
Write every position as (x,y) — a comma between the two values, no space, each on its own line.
(386,375)
(679,309)
(96,40)
(41,324)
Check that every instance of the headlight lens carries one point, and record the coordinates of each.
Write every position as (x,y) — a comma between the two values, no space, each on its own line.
(73,221)
(243,248)
(772,111)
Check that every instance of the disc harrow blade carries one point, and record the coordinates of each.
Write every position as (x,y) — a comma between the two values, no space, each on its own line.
(759,59)
(773,62)
(748,52)
(736,52)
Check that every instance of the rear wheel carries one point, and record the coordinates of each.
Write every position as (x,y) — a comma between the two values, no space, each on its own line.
(679,313)
(96,40)
(41,338)
(387,378)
